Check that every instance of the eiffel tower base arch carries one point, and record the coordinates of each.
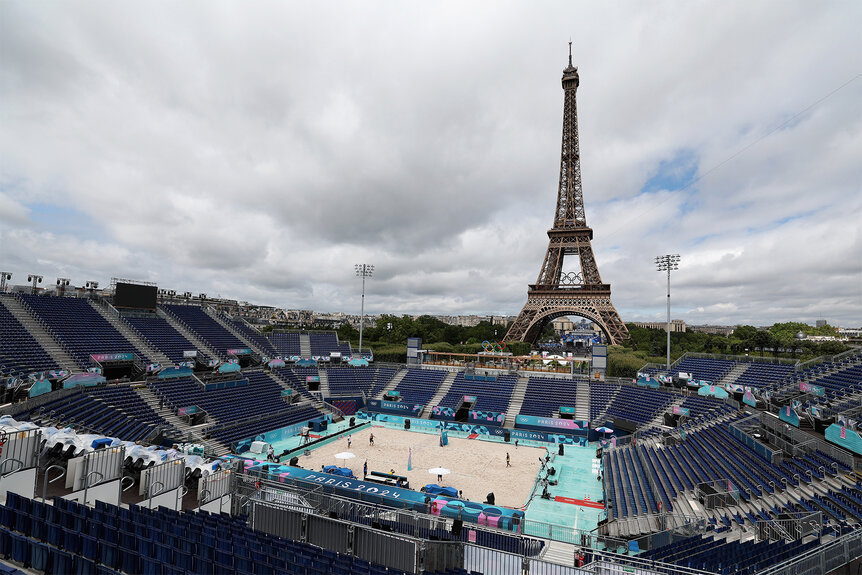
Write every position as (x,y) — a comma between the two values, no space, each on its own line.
(542,308)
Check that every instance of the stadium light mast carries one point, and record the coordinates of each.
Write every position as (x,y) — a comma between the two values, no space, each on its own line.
(34,279)
(363,271)
(4,277)
(667,263)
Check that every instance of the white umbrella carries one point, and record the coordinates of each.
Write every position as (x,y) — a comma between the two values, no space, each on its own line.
(439,471)
(344,455)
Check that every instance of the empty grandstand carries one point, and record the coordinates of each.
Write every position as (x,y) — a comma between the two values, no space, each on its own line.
(765,479)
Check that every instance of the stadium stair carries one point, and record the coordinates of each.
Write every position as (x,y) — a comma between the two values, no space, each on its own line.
(516,401)
(582,403)
(658,420)
(110,314)
(441,393)
(42,337)
(734,373)
(164,411)
(236,333)
(304,345)
(186,333)
(393,383)
(324,383)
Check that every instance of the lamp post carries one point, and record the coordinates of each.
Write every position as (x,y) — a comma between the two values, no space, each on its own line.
(667,263)
(363,271)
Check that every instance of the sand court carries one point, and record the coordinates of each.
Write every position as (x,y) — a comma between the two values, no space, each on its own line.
(478,467)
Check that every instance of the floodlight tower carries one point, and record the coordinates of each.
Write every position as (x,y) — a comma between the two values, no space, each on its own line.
(363,271)
(4,276)
(34,279)
(667,263)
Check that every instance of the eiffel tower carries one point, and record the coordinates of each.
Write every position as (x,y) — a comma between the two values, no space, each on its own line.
(558,293)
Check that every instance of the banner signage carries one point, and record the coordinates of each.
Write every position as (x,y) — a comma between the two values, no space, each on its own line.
(565,425)
(749,399)
(103,357)
(285,392)
(469,399)
(677,410)
(812,389)
(153,367)
(440,412)
(486,417)
(402,408)
(188,410)
(566,410)
(522,434)
(787,415)
(239,351)
(312,379)
(190,353)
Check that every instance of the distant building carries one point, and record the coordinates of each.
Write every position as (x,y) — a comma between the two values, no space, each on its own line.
(820,323)
(676,325)
(724,330)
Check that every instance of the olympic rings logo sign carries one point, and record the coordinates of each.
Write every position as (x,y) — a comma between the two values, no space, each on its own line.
(495,347)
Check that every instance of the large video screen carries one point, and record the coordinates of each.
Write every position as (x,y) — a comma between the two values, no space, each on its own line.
(135,296)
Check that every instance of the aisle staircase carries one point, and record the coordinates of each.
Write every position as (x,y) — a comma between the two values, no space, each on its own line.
(516,401)
(441,393)
(393,383)
(199,344)
(111,315)
(582,402)
(42,337)
(732,375)
(324,382)
(304,345)
(233,331)
(194,434)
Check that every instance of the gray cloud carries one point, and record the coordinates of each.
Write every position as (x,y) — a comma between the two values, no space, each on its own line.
(260,152)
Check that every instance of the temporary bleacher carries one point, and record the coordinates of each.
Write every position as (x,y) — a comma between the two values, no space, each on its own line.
(698,405)
(419,385)
(251,334)
(295,378)
(286,343)
(162,336)
(325,343)
(68,537)
(722,556)
(760,375)
(228,432)
(640,405)
(357,380)
(232,407)
(704,368)
(491,395)
(77,327)
(204,327)
(20,353)
(600,396)
(114,410)
(545,395)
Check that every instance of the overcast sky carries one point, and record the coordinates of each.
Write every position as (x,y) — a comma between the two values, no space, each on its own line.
(260,150)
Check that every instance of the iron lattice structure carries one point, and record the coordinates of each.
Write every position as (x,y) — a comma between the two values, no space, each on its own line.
(557,293)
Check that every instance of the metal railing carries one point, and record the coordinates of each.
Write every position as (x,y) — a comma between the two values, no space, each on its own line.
(821,559)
